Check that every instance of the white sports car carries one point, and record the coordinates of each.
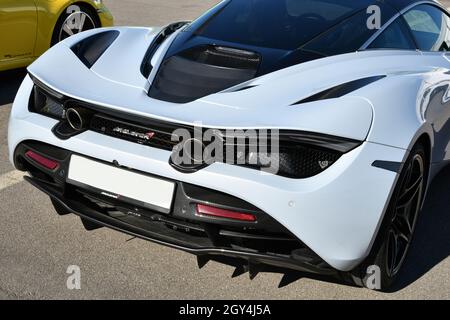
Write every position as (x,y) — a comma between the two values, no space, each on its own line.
(290,133)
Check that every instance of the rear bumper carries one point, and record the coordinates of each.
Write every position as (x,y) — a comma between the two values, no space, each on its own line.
(300,263)
(336,214)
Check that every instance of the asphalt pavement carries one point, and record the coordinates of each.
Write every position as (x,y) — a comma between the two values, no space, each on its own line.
(37,246)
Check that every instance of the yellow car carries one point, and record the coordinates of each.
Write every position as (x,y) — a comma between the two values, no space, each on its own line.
(29,27)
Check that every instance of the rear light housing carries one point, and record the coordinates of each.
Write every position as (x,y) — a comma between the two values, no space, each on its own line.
(42,161)
(47,102)
(295,161)
(209,211)
(300,154)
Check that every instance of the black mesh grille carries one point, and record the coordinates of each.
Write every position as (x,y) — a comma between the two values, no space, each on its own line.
(303,162)
(295,160)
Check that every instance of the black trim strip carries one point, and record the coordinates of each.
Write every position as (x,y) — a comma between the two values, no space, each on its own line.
(146,67)
(388,165)
(340,90)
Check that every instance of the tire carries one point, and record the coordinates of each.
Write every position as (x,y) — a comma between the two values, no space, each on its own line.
(394,238)
(73,20)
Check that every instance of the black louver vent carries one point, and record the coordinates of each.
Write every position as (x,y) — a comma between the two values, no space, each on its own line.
(341,90)
(202,71)
(92,48)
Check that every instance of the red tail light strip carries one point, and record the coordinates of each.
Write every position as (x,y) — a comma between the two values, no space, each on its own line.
(222,213)
(44,162)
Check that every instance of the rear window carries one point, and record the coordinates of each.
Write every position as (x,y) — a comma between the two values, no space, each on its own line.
(277,24)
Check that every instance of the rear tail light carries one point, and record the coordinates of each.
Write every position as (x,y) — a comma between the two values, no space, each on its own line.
(42,161)
(300,155)
(204,210)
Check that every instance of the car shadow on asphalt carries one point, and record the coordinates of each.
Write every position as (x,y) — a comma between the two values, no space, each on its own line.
(9,84)
(431,243)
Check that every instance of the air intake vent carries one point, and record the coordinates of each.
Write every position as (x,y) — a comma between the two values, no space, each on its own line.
(223,57)
(341,90)
(202,71)
(92,48)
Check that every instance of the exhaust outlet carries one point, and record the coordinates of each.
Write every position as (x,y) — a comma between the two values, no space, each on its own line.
(78,118)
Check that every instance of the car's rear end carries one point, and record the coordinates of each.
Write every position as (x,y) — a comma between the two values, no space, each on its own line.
(115,170)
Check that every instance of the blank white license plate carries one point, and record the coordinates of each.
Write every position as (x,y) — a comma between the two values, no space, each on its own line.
(121,184)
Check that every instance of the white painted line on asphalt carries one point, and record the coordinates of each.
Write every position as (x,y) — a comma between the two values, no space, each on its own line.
(11,178)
